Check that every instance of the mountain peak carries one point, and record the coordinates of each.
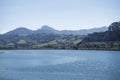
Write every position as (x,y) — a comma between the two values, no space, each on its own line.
(46,27)
(20,30)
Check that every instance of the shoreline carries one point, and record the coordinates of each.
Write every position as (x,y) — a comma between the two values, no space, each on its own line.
(67,49)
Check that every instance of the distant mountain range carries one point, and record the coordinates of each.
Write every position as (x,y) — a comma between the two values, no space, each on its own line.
(47,29)
(50,38)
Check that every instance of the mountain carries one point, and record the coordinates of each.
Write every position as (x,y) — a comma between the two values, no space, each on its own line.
(49,38)
(20,30)
(112,34)
(84,31)
(108,40)
(47,29)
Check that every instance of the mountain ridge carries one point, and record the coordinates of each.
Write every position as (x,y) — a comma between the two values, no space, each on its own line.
(48,29)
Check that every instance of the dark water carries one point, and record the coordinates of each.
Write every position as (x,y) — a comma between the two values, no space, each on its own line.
(59,65)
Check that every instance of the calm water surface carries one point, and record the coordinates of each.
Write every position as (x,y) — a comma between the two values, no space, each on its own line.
(59,65)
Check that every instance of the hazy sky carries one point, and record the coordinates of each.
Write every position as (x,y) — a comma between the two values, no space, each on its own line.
(60,14)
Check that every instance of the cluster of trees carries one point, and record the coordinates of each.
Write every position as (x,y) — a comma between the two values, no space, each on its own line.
(99,45)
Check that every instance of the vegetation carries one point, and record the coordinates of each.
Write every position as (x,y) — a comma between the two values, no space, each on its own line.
(103,40)
(39,41)
(109,39)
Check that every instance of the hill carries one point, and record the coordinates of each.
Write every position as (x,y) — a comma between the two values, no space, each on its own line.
(109,39)
(20,30)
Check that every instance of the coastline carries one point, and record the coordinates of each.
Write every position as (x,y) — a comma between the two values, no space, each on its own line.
(64,49)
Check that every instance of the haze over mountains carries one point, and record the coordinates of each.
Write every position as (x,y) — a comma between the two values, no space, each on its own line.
(47,29)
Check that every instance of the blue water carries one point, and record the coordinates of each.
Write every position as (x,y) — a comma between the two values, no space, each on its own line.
(59,65)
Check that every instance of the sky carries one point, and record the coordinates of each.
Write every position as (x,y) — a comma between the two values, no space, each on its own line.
(59,14)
